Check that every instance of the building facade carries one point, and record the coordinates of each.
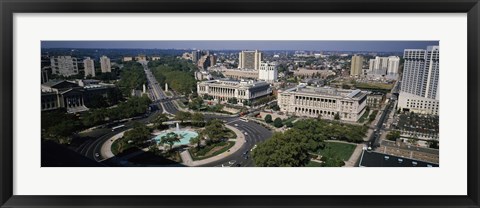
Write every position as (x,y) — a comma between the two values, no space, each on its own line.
(64,65)
(356,66)
(268,72)
(250,59)
(420,80)
(375,100)
(384,66)
(325,102)
(222,90)
(105,64)
(240,74)
(71,95)
(89,67)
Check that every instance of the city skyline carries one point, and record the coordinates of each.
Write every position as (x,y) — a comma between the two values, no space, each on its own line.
(309,45)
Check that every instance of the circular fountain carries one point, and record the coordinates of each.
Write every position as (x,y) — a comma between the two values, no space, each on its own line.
(185,135)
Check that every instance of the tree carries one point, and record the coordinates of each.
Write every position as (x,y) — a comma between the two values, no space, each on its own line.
(268,118)
(170,139)
(214,130)
(337,116)
(198,119)
(182,116)
(196,141)
(393,135)
(278,122)
(287,149)
(232,100)
(139,134)
(159,120)
(289,124)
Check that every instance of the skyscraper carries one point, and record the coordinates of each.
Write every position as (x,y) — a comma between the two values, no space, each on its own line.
(105,64)
(196,55)
(420,72)
(419,90)
(64,65)
(356,66)
(249,59)
(89,67)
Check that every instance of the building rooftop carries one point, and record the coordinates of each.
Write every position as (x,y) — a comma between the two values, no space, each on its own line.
(244,83)
(352,94)
(375,159)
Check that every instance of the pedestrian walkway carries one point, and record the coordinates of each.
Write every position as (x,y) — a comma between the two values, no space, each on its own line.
(106,150)
(355,156)
(188,161)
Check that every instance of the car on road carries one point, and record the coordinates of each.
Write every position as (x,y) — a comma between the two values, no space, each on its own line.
(231,162)
(246,133)
(246,152)
(97,155)
(235,124)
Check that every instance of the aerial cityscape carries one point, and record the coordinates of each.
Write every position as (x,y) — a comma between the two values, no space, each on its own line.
(240,103)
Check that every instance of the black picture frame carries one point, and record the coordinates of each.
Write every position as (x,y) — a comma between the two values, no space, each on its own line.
(10,7)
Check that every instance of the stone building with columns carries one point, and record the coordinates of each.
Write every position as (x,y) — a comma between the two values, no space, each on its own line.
(71,95)
(323,101)
(222,90)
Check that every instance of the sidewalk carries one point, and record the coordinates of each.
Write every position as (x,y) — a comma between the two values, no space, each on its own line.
(106,150)
(355,156)
(188,161)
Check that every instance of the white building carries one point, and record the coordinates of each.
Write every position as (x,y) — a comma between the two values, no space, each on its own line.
(64,65)
(222,90)
(323,101)
(249,59)
(105,64)
(419,89)
(384,66)
(268,72)
(89,67)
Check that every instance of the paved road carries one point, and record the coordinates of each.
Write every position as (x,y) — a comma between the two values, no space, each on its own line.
(255,134)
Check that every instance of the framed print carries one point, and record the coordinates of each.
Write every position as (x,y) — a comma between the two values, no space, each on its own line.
(246,104)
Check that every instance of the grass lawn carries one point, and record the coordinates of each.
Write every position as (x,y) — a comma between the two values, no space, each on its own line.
(211,150)
(313,164)
(363,117)
(340,150)
(380,86)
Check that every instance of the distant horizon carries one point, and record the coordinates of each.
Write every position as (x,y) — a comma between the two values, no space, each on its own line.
(264,45)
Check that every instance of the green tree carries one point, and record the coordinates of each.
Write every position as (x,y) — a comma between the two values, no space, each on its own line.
(159,120)
(139,134)
(196,141)
(268,118)
(198,119)
(170,139)
(278,122)
(287,149)
(393,135)
(182,116)
(214,130)
(337,116)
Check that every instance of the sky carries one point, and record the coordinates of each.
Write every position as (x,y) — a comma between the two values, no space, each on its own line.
(384,46)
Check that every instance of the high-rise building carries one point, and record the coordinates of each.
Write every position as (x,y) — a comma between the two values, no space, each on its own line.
(268,72)
(356,66)
(384,66)
(89,67)
(196,55)
(64,65)
(393,63)
(249,59)
(213,60)
(105,64)
(419,90)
